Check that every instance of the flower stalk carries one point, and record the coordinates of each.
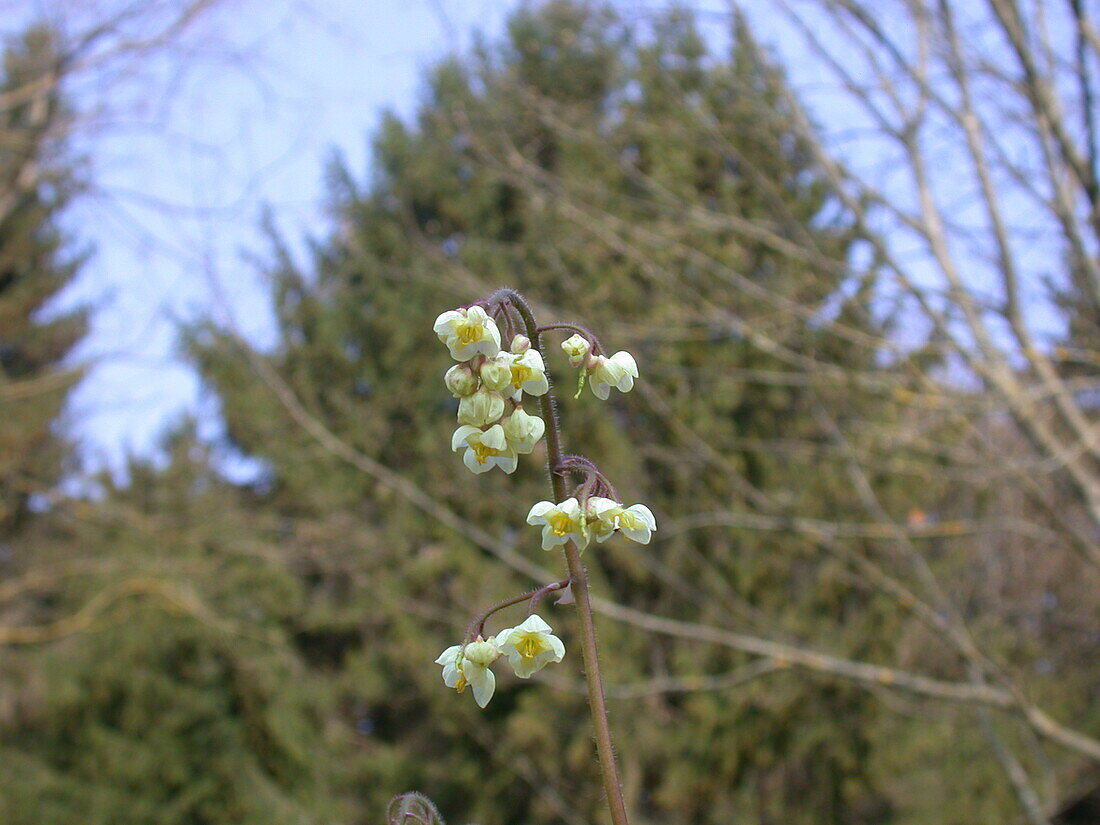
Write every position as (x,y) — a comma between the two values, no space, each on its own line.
(597,702)
(498,366)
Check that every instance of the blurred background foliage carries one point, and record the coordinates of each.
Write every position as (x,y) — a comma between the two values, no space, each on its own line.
(186,650)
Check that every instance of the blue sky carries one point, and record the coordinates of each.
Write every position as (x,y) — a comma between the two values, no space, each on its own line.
(187,150)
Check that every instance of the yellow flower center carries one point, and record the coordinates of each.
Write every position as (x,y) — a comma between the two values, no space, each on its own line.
(529,646)
(521,373)
(629,521)
(559,523)
(469,333)
(482,453)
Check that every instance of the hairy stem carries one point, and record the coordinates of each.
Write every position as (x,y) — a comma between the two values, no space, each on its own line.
(579,579)
(477,626)
(597,347)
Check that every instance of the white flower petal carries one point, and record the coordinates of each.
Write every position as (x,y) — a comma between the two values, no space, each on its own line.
(539,385)
(557,647)
(598,506)
(494,438)
(643,513)
(444,324)
(524,668)
(550,539)
(475,466)
(625,360)
(507,462)
(449,655)
(537,511)
(478,315)
(533,624)
(571,507)
(458,440)
(483,683)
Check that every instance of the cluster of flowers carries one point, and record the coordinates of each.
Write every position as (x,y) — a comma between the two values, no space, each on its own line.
(494,429)
(529,646)
(618,370)
(489,383)
(599,516)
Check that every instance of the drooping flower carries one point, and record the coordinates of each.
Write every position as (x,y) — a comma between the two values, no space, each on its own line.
(451,659)
(468,332)
(560,523)
(528,373)
(469,666)
(485,449)
(576,347)
(606,516)
(530,646)
(618,371)
(523,431)
(481,409)
(603,514)
(636,522)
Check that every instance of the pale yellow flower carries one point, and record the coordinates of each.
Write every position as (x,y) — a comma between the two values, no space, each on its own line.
(529,373)
(606,516)
(602,517)
(636,522)
(485,449)
(523,431)
(480,409)
(530,646)
(468,332)
(576,347)
(618,371)
(469,666)
(560,523)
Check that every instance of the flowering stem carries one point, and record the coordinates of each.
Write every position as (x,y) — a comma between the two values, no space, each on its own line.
(578,577)
(477,626)
(597,347)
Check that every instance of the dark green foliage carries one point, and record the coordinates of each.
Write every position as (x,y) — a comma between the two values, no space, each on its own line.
(35,184)
(271,661)
(600,167)
(181,698)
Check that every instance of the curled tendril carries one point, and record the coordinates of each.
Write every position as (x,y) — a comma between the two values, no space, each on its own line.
(412,808)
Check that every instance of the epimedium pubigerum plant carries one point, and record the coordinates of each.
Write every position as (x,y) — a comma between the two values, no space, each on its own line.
(498,346)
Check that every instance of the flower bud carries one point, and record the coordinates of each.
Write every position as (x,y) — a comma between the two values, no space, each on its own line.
(520,344)
(496,373)
(460,380)
(576,347)
(481,652)
(523,431)
(480,409)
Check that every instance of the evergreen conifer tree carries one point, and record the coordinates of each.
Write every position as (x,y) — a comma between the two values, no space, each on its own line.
(263,654)
(36,263)
(158,679)
(603,168)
